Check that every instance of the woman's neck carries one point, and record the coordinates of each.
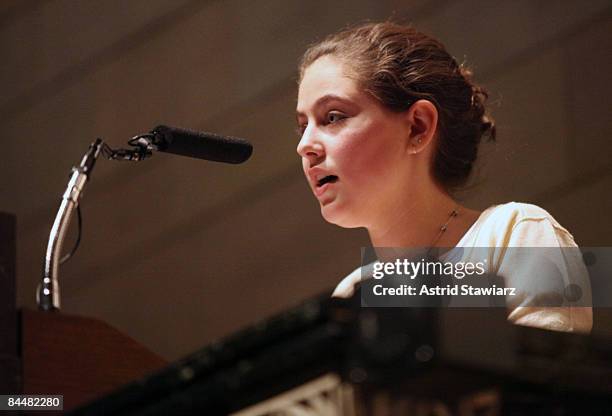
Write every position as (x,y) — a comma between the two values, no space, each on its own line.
(416,221)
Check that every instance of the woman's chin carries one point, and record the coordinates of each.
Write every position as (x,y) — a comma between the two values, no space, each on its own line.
(334,214)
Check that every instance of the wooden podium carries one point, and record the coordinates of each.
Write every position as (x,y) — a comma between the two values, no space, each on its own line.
(80,358)
(53,353)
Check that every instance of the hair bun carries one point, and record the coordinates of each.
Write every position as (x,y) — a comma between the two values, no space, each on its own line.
(477,105)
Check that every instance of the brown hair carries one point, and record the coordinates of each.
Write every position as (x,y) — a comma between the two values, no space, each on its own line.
(399,65)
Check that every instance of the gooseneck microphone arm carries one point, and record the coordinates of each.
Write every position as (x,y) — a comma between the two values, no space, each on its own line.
(48,292)
(48,295)
(173,140)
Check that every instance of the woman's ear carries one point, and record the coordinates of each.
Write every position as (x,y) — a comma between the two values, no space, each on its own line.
(422,117)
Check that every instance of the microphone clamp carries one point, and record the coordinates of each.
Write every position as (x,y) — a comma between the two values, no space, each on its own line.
(142,148)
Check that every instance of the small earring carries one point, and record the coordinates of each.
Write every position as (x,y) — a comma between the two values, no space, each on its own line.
(419,140)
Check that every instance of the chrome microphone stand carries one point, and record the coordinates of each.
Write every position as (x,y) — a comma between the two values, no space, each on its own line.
(48,293)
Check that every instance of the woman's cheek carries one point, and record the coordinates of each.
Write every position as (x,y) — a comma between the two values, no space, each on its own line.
(364,155)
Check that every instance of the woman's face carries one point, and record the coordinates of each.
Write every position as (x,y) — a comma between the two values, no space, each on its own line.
(354,151)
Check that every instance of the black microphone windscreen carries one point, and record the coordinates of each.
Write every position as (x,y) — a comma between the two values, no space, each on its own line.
(201,145)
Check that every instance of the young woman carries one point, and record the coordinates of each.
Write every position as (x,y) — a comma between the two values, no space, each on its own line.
(390,126)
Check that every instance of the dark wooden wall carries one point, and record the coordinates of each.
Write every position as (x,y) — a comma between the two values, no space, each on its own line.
(9,355)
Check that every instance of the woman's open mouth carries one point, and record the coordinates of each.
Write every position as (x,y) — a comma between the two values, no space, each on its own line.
(327,179)
(324,183)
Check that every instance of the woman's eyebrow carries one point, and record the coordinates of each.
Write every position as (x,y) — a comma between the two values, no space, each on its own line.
(325,99)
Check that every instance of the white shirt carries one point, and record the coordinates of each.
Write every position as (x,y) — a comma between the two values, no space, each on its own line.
(522,225)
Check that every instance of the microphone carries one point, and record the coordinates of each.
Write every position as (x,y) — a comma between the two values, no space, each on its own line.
(208,146)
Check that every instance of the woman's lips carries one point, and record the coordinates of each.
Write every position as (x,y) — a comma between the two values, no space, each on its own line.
(320,190)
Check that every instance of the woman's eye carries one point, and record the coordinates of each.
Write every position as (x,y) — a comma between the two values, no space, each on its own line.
(299,130)
(334,117)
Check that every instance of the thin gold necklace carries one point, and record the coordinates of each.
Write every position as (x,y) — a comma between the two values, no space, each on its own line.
(444,227)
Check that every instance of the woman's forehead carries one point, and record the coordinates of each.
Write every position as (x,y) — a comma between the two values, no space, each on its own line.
(323,78)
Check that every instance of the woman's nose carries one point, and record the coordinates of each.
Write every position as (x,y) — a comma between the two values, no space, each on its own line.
(311,148)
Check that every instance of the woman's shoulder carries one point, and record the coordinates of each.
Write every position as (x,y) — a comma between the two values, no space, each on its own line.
(515,212)
(517,224)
